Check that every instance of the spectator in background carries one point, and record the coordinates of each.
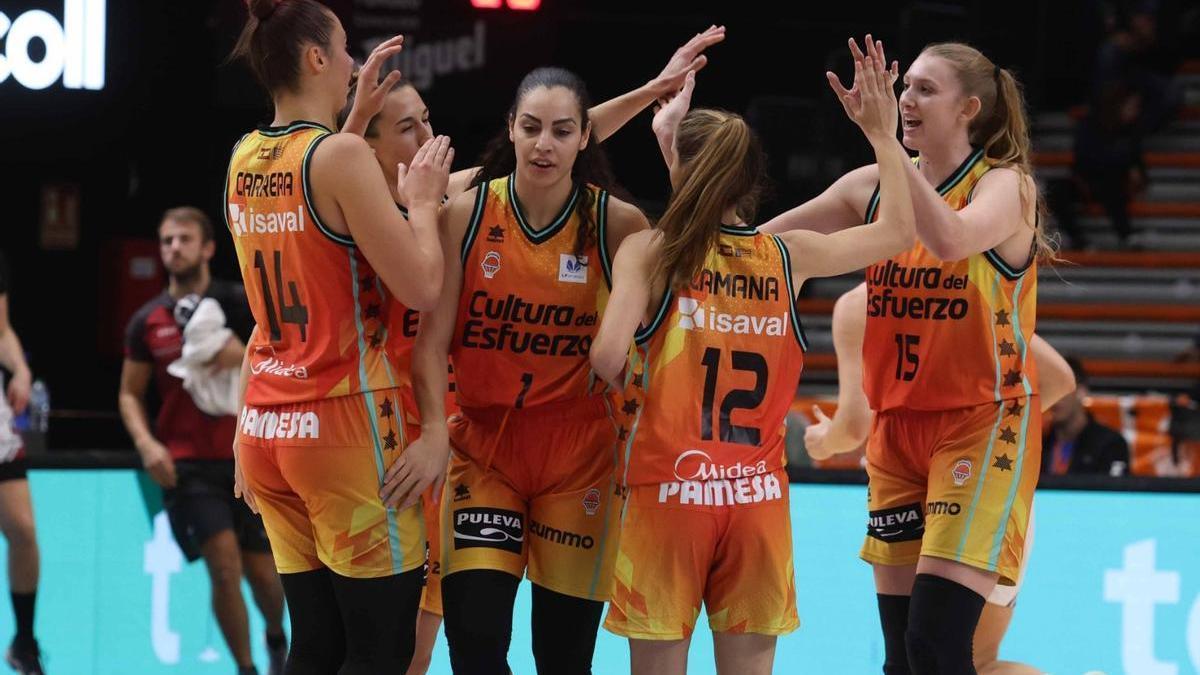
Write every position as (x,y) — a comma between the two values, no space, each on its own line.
(1130,98)
(16,506)
(190,453)
(1078,444)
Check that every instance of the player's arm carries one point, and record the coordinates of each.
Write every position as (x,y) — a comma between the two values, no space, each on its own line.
(240,489)
(851,422)
(231,354)
(424,461)
(1055,377)
(872,106)
(608,117)
(12,357)
(840,206)
(135,380)
(406,254)
(626,306)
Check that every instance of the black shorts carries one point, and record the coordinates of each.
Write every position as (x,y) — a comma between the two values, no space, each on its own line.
(15,469)
(202,504)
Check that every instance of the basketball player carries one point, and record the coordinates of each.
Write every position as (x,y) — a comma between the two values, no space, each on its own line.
(945,354)
(531,481)
(395,133)
(323,252)
(848,429)
(709,302)
(16,505)
(400,126)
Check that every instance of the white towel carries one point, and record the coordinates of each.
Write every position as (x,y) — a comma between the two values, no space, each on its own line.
(213,389)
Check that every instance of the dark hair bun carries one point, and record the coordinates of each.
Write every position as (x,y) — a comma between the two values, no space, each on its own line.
(263,9)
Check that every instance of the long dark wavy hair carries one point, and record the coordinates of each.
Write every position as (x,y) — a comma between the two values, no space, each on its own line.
(499,158)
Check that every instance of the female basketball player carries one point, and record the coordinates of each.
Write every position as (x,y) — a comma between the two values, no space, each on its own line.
(716,365)
(323,251)
(850,426)
(946,355)
(531,479)
(396,129)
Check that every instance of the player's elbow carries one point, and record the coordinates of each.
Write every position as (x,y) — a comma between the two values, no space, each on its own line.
(607,361)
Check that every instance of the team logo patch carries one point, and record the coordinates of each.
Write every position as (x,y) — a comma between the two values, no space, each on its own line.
(490,264)
(591,502)
(572,268)
(961,471)
(490,528)
(496,234)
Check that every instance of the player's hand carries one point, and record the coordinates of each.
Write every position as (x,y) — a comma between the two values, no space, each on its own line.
(668,114)
(18,390)
(156,459)
(421,465)
(687,59)
(369,92)
(240,489)
(815,435)
(424,181)
(871,100)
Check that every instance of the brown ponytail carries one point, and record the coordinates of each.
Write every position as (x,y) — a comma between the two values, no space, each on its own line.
(722,164)
(275,35)
(1001,127)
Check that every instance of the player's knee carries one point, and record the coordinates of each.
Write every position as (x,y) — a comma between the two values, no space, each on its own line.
(225,573)
(21,534)
(941,626)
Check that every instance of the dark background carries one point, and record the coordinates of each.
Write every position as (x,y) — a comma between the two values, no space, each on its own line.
(159,134)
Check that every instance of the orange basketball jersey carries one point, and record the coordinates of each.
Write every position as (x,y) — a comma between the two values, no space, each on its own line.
(948,334)
(324,318)
(713,376)
(529,305)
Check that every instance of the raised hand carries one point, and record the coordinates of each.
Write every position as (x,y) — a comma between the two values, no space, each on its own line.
(871,101)
(669,112)
(370,93)
(687,59)
(424,180)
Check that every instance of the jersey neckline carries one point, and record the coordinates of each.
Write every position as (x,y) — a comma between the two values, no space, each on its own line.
(559,221)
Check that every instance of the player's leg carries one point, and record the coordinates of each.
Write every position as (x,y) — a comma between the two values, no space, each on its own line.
(223,561)
(428,624)
(380,616)
(265,586)
(16,521)
(744,654)
(430,618)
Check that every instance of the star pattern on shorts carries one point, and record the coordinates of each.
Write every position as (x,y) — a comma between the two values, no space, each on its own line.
(630,407)
(1002,318)
(1015,409)
(372,311)
(376,338)
(1012,378)
(1006,348)
(1003,463)
(638,380)
(389,441)
(367,281)
(385,408)
(622,433)
(1008,436)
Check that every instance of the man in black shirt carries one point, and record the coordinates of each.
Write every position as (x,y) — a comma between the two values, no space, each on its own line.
(189,452)
(16,508)
(1078,444)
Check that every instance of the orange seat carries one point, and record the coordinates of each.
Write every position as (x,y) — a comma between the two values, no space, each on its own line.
(1144,420)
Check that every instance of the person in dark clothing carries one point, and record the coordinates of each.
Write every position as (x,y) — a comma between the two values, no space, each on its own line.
(188,451)
(1077,443)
